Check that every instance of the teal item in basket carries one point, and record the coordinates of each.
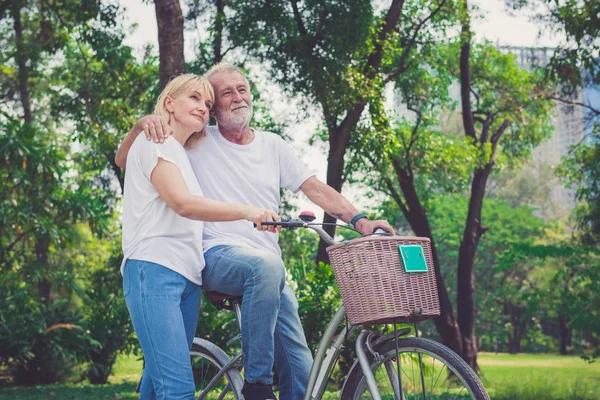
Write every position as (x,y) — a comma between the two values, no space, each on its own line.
(413,258)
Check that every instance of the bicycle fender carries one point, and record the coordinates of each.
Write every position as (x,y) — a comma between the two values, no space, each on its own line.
(236,379)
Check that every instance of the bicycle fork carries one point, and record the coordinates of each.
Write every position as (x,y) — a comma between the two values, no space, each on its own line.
(364,341)
(361,343)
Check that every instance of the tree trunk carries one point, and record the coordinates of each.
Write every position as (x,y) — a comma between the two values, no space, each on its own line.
(42,245)
(21,63)
(565,334)
(339,139)
(514,338)
(465,291)
(170,39)
(219,26)
(118,171)
(416,216)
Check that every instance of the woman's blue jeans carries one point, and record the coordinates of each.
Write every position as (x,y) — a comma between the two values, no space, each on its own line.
(271,328)
(164,308)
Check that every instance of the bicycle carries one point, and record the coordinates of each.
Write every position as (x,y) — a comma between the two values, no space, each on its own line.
(390,365)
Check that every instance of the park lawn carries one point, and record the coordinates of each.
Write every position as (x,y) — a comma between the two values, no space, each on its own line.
(539,376)
(505,376)
(121,386)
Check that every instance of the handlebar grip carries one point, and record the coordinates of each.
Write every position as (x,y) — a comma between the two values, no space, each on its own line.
(269,223)
(292,224)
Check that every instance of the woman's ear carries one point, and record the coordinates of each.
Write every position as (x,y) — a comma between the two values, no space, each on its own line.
(169,104)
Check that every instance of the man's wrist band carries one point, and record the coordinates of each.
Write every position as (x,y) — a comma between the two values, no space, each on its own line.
(355,219)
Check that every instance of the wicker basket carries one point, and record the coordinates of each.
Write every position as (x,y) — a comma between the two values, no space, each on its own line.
(375,288)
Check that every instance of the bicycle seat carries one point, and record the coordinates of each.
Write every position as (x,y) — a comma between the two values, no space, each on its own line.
(222,300)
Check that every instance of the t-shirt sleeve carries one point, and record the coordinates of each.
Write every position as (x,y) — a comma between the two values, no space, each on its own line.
(293,172)
(148,153)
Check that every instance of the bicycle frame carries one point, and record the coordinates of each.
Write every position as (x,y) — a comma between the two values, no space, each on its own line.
(326,356)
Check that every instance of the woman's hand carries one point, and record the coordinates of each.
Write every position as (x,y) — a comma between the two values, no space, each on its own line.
(259,215)
(155,127)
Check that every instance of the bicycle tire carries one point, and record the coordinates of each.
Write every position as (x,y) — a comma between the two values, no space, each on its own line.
(207,360)
(431,352)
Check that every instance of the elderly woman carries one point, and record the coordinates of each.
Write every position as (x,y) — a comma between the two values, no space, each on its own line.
(163,214)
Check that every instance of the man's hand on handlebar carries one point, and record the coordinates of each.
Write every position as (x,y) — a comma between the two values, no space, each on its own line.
(259,215)
(366,226)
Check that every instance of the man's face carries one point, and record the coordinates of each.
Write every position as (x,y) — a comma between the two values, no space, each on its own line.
(233,102)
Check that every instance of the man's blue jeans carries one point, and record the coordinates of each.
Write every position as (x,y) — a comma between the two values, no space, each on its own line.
(271,329)
(164,308)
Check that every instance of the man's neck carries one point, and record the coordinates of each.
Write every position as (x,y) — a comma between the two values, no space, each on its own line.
(241,136)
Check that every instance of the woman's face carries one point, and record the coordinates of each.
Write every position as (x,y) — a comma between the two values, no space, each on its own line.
(190,109)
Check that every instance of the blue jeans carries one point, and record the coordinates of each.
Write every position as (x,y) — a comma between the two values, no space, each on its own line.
(164,308)
(271,329)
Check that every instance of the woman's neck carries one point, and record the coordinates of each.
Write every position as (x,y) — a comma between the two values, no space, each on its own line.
(180,133)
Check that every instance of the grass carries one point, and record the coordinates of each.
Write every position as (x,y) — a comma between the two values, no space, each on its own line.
(539,376)
(505,376)
(121,386)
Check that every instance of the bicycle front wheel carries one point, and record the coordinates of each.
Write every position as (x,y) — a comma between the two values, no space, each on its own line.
(429,370)
(208,360)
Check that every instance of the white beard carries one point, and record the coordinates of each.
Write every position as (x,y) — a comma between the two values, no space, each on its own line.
(237,119)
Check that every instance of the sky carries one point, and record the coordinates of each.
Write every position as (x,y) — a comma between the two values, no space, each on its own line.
(496,25)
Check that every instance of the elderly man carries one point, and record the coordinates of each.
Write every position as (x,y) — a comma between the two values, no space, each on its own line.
(236,163)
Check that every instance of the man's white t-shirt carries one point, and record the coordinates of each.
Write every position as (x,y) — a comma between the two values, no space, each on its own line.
(251,174)
(152,231)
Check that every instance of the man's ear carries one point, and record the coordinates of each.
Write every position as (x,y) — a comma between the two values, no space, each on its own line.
(212,111)
(169,104)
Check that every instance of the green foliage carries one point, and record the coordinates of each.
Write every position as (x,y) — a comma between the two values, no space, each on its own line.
(65,77)
(439,161)
(44,339)
(106,316)
(510,93)
(283,35)
(42,335)
(581,169)
(314,284)
(102,89)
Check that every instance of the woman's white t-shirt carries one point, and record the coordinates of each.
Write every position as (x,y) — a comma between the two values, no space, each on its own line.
(152,231)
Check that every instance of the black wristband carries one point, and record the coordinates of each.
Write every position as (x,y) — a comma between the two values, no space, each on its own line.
(357,217)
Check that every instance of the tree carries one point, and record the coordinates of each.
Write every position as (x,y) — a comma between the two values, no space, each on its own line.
(504,115)
(210,15)
(494,117)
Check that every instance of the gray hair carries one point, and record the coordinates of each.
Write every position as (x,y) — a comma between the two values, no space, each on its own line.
(224,67)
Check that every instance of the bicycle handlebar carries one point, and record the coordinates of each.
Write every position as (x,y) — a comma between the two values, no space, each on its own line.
(317,227)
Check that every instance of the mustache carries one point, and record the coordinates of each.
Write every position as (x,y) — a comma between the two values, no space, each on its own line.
(237,106)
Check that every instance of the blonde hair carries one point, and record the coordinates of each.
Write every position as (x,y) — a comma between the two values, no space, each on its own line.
(184,83)
(224,67)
